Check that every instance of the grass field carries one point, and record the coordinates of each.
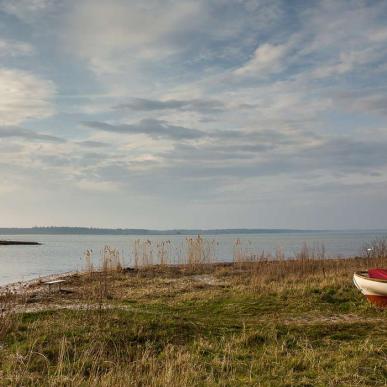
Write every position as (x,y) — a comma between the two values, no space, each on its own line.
(268,323)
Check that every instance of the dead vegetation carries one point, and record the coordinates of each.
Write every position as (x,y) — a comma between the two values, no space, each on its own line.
(259,320)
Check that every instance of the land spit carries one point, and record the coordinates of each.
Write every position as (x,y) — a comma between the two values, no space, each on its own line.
(18,243)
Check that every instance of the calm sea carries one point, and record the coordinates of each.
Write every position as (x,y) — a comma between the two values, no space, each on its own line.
(64,253)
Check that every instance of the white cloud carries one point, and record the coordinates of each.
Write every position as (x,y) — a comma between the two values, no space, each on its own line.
(365,101)
(379,35)
(24,96)
(112,36)
(267,59)
(347,62)
(24,9)
(13,48)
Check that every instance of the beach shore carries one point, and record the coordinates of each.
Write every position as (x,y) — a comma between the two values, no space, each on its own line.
(23,287)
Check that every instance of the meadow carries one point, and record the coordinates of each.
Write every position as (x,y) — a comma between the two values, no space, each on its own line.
(258,321)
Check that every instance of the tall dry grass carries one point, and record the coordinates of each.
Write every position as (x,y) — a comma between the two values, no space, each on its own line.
(194,252)
(98,364)
(256,270)
(143,253)
(88,257)
(311,260)
(110,261)
(309,263)
(8,316)
(375,249)
(200,251)
(103,274)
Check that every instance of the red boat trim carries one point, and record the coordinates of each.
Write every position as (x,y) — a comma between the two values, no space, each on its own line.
(378,273)
(378,300)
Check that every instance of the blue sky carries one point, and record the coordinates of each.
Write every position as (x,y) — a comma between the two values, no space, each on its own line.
(206,113)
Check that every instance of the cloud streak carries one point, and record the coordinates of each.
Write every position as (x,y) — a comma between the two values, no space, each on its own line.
(24,96)
(11,48)
(267,58)
(194,105)
(156,129)
(29,135)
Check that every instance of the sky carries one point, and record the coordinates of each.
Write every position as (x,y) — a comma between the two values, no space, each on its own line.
(193,113)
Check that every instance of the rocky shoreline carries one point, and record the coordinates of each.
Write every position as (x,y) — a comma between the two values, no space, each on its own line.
(22,287)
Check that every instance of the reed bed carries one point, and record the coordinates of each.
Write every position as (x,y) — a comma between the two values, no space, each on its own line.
(200,255)
(194,253)
(309,263)
(101,275)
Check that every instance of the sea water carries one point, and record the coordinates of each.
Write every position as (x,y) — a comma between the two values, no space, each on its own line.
(65,253)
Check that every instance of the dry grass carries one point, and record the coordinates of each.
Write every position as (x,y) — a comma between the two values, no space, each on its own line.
(194,253)
(257,321)
(8,317)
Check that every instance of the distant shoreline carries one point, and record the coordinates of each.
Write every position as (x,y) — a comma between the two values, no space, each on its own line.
(131,231)
(119,231)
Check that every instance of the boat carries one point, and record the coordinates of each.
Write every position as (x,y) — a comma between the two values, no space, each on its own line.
(373,284)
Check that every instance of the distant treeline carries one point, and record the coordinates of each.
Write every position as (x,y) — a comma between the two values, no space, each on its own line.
(137,231)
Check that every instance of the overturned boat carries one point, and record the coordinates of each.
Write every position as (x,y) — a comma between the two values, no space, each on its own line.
(373,284)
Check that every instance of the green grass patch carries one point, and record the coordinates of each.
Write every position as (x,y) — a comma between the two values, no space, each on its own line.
(297,336)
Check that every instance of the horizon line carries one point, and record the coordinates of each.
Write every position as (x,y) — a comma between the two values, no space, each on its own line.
(107,230)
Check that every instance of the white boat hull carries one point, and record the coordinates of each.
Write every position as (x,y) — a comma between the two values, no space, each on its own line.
(374,289)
